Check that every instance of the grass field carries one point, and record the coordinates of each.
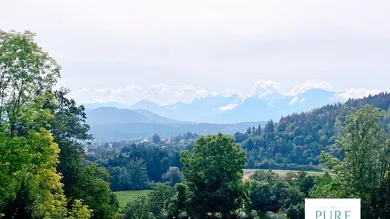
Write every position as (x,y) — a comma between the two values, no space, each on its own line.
(249,172)
(124,196)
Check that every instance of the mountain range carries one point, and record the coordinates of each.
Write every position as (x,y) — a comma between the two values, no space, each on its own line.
(113,121)
(114,124)
(220,109)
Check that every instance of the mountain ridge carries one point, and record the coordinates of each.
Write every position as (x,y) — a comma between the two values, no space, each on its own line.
(235,109)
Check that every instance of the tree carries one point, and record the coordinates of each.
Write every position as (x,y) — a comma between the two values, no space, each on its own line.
(305,182)
(132,176)
(327,187)
(248,144)
(159,199)
(296,211)
(270,192)
(139,207)
(259,130)
(68,127)
(29,183)
(79,211)
(383,210)
(156,138)
(173,176)
(213,171)
(26,72)
(93,188)
(269,128)
(366,157)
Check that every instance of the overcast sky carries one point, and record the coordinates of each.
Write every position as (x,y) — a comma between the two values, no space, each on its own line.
(169,51)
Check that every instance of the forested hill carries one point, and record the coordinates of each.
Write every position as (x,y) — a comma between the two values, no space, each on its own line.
(297,139)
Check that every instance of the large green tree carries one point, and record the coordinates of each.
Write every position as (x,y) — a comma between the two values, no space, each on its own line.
(213,170)
(366,158)
(26,72)
(271,192)
(30,185)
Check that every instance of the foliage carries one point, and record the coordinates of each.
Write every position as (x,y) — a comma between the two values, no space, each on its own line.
(139,207)
(26,72)
(29,183)
(270,192)
(156,138)
(296,211)
(93,188)
(327,187)
(159,199)
(134,164)
(305,182)
(133,176)
(366,158)
(172,176)
(296,141)
(69,129)
(79,211)
(213,171)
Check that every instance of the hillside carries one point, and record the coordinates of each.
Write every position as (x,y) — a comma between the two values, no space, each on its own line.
(113,115)
(126,131)
(110,124)
(298,139)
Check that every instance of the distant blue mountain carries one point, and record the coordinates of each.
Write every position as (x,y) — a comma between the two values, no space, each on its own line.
(220,109)
(106,104)
(112,124)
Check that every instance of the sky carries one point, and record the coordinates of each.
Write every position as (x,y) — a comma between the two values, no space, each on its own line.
(175,50)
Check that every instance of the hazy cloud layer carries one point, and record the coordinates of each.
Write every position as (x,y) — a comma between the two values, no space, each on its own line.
(168,94)
(109,49)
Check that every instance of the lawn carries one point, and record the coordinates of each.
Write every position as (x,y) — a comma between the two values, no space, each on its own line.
(124,196)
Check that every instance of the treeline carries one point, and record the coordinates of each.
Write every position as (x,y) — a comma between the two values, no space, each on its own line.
(296,141)
(213,185)
(138,166)
(43,173)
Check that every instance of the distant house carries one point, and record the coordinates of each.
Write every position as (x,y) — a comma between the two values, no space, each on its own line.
(145,141)
(166,140)
(91,152)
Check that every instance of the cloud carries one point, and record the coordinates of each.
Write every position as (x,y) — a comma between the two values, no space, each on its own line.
(353,93)
(262,88)
(168,94)
(200,93)
(308,85)
(178,93)
(132,87)
(157,89)
(84,90)
(228,107)
(108,90)
(111,90)
(228,92)
(294,100)
(187,87)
